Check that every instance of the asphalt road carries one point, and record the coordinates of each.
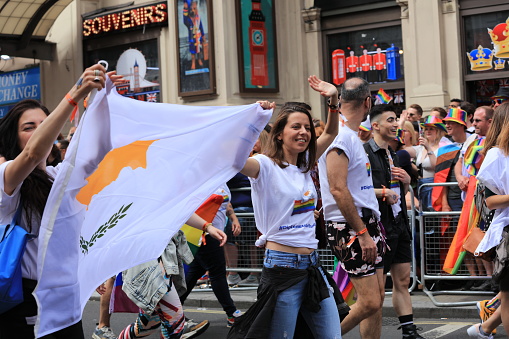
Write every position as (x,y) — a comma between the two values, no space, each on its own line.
(431,328)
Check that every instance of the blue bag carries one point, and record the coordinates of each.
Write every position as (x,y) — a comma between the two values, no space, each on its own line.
(13,240)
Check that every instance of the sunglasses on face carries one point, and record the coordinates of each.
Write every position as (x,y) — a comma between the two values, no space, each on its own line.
(498,101)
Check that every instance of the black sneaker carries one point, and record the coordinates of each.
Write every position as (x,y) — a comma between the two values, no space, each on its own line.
(410,331)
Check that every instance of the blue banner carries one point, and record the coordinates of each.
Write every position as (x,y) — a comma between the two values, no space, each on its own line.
(4,110)
(19,85)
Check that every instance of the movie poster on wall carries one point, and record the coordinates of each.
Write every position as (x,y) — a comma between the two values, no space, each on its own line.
(195,47)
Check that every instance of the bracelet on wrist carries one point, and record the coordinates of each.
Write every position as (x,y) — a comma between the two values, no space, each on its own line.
(332,107)
(430,153)
(71,102)
(205,227)
(361,232)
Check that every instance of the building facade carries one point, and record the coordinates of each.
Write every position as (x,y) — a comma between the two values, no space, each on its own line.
(208,52)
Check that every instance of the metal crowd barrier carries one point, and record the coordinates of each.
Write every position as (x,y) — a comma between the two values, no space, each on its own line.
(435,240)
(250,258)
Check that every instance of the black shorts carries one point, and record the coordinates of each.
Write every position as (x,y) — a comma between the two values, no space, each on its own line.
(399,249)
(339,235)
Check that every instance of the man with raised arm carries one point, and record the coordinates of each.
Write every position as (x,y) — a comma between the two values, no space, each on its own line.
(351,211)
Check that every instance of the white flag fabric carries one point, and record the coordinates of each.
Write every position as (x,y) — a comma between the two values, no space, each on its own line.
(134,173)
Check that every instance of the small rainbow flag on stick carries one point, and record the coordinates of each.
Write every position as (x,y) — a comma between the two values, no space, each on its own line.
(383,97)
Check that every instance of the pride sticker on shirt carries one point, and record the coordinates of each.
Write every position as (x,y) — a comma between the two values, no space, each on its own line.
(304,206)
(300,206)
(368,168)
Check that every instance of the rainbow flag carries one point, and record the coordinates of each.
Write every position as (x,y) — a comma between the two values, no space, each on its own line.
(468,217)
(473,155)
(344,284)
(383,97)
(207,211)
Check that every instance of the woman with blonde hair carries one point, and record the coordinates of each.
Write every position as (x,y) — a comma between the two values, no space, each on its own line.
(425,155)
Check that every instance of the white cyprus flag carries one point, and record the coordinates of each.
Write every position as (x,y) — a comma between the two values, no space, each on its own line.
(132,176)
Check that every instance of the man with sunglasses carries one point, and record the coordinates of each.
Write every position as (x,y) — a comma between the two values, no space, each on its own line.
(468,165)
(499,98)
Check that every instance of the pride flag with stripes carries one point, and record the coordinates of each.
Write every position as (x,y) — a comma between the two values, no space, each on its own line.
(300,206)
(383,97)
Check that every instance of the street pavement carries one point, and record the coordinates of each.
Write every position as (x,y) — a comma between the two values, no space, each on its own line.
(436,322)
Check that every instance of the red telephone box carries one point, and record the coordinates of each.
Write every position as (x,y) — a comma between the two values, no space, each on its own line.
(338,67)
(258,46)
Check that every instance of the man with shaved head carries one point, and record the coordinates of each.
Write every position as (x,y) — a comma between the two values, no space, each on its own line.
(351,211)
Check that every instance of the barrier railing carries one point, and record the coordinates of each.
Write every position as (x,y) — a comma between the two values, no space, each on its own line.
(243,256)
(437,230)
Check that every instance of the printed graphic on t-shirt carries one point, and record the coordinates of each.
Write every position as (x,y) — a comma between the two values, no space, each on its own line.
(300,206)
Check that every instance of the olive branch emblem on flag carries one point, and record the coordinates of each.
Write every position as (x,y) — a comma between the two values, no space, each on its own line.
(85,245)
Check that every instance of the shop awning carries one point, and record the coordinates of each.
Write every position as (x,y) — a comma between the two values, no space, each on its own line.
(24,25)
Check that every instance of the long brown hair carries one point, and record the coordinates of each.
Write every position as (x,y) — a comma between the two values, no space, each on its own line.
(36,187)
(274,150)
(498,134)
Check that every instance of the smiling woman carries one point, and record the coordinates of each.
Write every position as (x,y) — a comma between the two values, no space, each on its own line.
(284,199)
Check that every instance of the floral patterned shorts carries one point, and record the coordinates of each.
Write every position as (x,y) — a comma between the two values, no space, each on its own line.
(350,256)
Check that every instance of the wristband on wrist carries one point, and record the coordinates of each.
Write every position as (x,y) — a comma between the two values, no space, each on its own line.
(361,232)
(71,102)
(204,228)
(332,107)
(430,153)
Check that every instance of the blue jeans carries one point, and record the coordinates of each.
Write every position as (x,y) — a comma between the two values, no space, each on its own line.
(324,324)
(425,194)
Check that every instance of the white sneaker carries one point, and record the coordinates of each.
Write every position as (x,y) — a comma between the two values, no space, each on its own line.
(192,329)
(233,279)
(474,331)
(251,280)
(103,333)
(231,320)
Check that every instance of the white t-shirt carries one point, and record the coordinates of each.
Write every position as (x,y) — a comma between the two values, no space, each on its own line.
(219,221)
(493,174)
(8,206)
(284,200)
(359,180)
(428,171)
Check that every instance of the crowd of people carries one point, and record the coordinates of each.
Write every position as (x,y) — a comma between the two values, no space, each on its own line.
(359,167)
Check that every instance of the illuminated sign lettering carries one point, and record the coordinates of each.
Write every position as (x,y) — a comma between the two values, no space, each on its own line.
(133,18)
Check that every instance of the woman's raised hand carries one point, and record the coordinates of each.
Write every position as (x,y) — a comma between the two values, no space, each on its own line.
(266,104)
(94,77)
(324,88)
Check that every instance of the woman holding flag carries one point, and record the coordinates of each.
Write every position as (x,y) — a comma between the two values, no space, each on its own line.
(27,134)
(284,201)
